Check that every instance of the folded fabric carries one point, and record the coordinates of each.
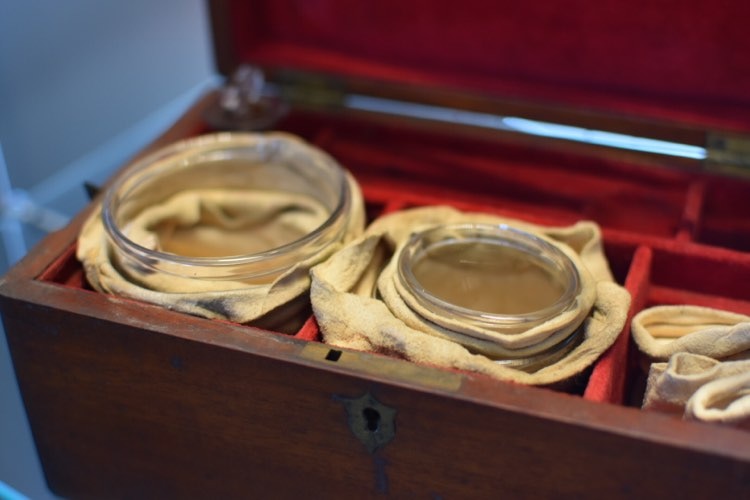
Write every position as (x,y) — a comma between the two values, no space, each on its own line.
(219,222)
(662,331)
(723,401)
(672,384)
(359,304)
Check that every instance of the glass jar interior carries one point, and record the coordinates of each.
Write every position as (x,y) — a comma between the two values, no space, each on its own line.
(492,276)
(488,277)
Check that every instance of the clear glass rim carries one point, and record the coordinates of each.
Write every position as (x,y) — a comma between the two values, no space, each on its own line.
(112,201)
(547,357)
(502,234)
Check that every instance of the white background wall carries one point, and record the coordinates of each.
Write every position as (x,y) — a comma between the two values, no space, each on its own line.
(83,85)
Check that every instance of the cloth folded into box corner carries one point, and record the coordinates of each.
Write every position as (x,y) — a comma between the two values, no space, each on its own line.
(662,331)
(700,362)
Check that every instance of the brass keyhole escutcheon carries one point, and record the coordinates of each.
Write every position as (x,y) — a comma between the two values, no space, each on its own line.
(373,423)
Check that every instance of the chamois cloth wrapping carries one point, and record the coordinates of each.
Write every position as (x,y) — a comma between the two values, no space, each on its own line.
(673,383)
(662,331)
(700,362)
(724,401)
(358,304)
(213,214)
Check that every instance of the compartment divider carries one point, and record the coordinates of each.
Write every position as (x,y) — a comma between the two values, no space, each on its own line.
(609,378)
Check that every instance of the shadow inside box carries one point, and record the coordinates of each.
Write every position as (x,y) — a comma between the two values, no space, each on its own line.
(724,217)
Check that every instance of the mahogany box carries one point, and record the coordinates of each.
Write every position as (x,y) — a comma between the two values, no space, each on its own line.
(127,399)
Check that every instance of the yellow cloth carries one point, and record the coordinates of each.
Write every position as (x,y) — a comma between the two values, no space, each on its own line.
(671,384)
(662,331)
(212,218)
(358,306)
(701,362)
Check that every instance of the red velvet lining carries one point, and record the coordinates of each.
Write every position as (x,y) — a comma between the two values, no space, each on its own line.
(309,331)
(522,178)
(666,59)
(726,215)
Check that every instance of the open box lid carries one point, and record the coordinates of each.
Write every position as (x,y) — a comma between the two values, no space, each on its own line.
(663,69)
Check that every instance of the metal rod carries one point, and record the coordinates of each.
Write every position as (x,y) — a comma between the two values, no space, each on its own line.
(524,126)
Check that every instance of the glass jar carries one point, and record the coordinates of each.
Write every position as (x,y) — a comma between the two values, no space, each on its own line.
(242,231)
(492,277)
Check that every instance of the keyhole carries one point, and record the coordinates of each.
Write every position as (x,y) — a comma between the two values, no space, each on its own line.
(373,423)
(372,419)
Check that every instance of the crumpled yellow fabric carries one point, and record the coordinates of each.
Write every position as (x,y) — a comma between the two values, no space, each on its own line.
(212,215)
(701,362)
(672,383)
(662,331)
(724,401)
(357,304)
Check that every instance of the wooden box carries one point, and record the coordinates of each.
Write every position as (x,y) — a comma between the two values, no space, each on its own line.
(127,399)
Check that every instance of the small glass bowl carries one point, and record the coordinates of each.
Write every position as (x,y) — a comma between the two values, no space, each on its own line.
(494,277)
(232,162)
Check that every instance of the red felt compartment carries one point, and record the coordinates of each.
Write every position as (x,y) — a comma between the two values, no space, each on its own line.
(693,271)
(726,215)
